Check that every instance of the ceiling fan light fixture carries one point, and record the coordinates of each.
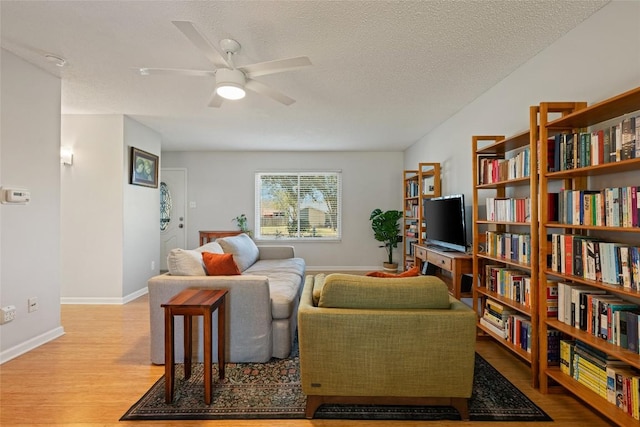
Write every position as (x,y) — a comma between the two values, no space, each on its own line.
(230,83)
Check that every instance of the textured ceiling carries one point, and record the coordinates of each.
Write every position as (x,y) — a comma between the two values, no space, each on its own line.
(384,73)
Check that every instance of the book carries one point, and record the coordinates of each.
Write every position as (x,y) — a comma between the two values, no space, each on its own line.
(632,318)
(566,356)
(493,328)
(611,307)
(628,134)
(606,145)
(582,313)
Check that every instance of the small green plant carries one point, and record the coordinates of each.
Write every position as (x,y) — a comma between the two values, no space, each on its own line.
(241,221)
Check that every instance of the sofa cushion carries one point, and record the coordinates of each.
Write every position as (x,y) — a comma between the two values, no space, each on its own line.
(351,291)
(219,264)
(184,262)
(265,267)
(244,250)
(284,289)
(412,272)
(212,247)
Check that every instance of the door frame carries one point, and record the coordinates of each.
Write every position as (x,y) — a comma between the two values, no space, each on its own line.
(186,204)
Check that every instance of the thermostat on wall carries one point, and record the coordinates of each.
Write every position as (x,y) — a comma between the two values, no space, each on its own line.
(15,196)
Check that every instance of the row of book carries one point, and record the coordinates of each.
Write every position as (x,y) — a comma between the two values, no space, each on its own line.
(411,229)
(516,328)
(508,324)
(508,209)
(511,246)
(592,259)
(411,210)
(608,145)
(509,283)
(494,169)
(412,189)
(601,314)
(609,378)
(611,207)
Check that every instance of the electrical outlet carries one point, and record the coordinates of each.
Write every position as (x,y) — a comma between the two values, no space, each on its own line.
(7,314)
(33,304)
(153,265)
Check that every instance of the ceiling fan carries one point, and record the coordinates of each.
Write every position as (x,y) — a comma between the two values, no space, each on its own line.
(231,81)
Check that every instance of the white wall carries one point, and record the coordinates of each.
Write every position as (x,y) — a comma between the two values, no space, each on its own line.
(222,186)
(92,207)
(30,243)
(110,229)
(598,59)
(141,249)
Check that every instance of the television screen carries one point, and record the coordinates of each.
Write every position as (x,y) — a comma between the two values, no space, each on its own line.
(444,218)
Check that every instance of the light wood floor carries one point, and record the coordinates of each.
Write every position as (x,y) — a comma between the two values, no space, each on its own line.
(100,367)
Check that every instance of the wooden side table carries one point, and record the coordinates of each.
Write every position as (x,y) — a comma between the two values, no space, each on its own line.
(210,236)
(189,303)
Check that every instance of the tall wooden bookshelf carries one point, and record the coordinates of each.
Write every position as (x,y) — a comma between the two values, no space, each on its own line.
(410,217)
(505,254)
(422,183)
(578,177)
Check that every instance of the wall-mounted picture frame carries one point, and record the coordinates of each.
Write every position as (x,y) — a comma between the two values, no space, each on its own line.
(144,168)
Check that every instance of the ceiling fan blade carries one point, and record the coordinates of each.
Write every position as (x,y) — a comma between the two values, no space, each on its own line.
(210,51)
(263,89)
(277,66)
(176,72)
(216,100)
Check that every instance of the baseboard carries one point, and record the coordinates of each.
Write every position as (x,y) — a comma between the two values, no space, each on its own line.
(31,344)
(342,268)
(105,300)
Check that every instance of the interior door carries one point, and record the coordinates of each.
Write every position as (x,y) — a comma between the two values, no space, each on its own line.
(173,221)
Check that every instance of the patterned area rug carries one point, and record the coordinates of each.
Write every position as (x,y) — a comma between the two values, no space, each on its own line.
(272,391)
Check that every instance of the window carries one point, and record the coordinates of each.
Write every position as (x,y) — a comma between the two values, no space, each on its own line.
(298,205)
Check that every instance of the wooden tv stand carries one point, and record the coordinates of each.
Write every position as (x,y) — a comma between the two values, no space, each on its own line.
(450,266)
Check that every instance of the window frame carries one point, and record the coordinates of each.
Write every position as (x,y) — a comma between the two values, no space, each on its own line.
(299,237)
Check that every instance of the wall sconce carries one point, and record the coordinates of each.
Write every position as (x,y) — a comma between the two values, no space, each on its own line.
(66,156)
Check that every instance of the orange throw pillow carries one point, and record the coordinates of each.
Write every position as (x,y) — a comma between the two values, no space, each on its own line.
(409,273)
(220,264)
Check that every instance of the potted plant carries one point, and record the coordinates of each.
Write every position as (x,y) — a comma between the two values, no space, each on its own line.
(386,229)
(241,221)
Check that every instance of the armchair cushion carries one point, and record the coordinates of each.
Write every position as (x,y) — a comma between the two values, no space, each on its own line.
(351,291)
(242,247)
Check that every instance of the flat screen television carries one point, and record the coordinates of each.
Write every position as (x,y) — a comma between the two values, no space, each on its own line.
(444,218)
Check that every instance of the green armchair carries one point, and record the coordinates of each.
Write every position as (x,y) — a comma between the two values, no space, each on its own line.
(394,341)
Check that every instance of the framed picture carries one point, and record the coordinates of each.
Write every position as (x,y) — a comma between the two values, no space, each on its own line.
(144,168)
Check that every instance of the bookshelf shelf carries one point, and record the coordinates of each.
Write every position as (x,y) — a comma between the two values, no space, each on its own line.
(504,184)
(513,348)
(598,343)
(506,301)
(604,169)
(611,108)
(590,398)
(594,174)
(600,285)
(506,261)
(497,268)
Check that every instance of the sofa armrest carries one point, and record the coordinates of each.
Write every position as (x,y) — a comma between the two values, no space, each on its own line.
(248,309)
(381,352)
(276,252)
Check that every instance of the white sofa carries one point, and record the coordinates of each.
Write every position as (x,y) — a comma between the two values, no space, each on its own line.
(262,303)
